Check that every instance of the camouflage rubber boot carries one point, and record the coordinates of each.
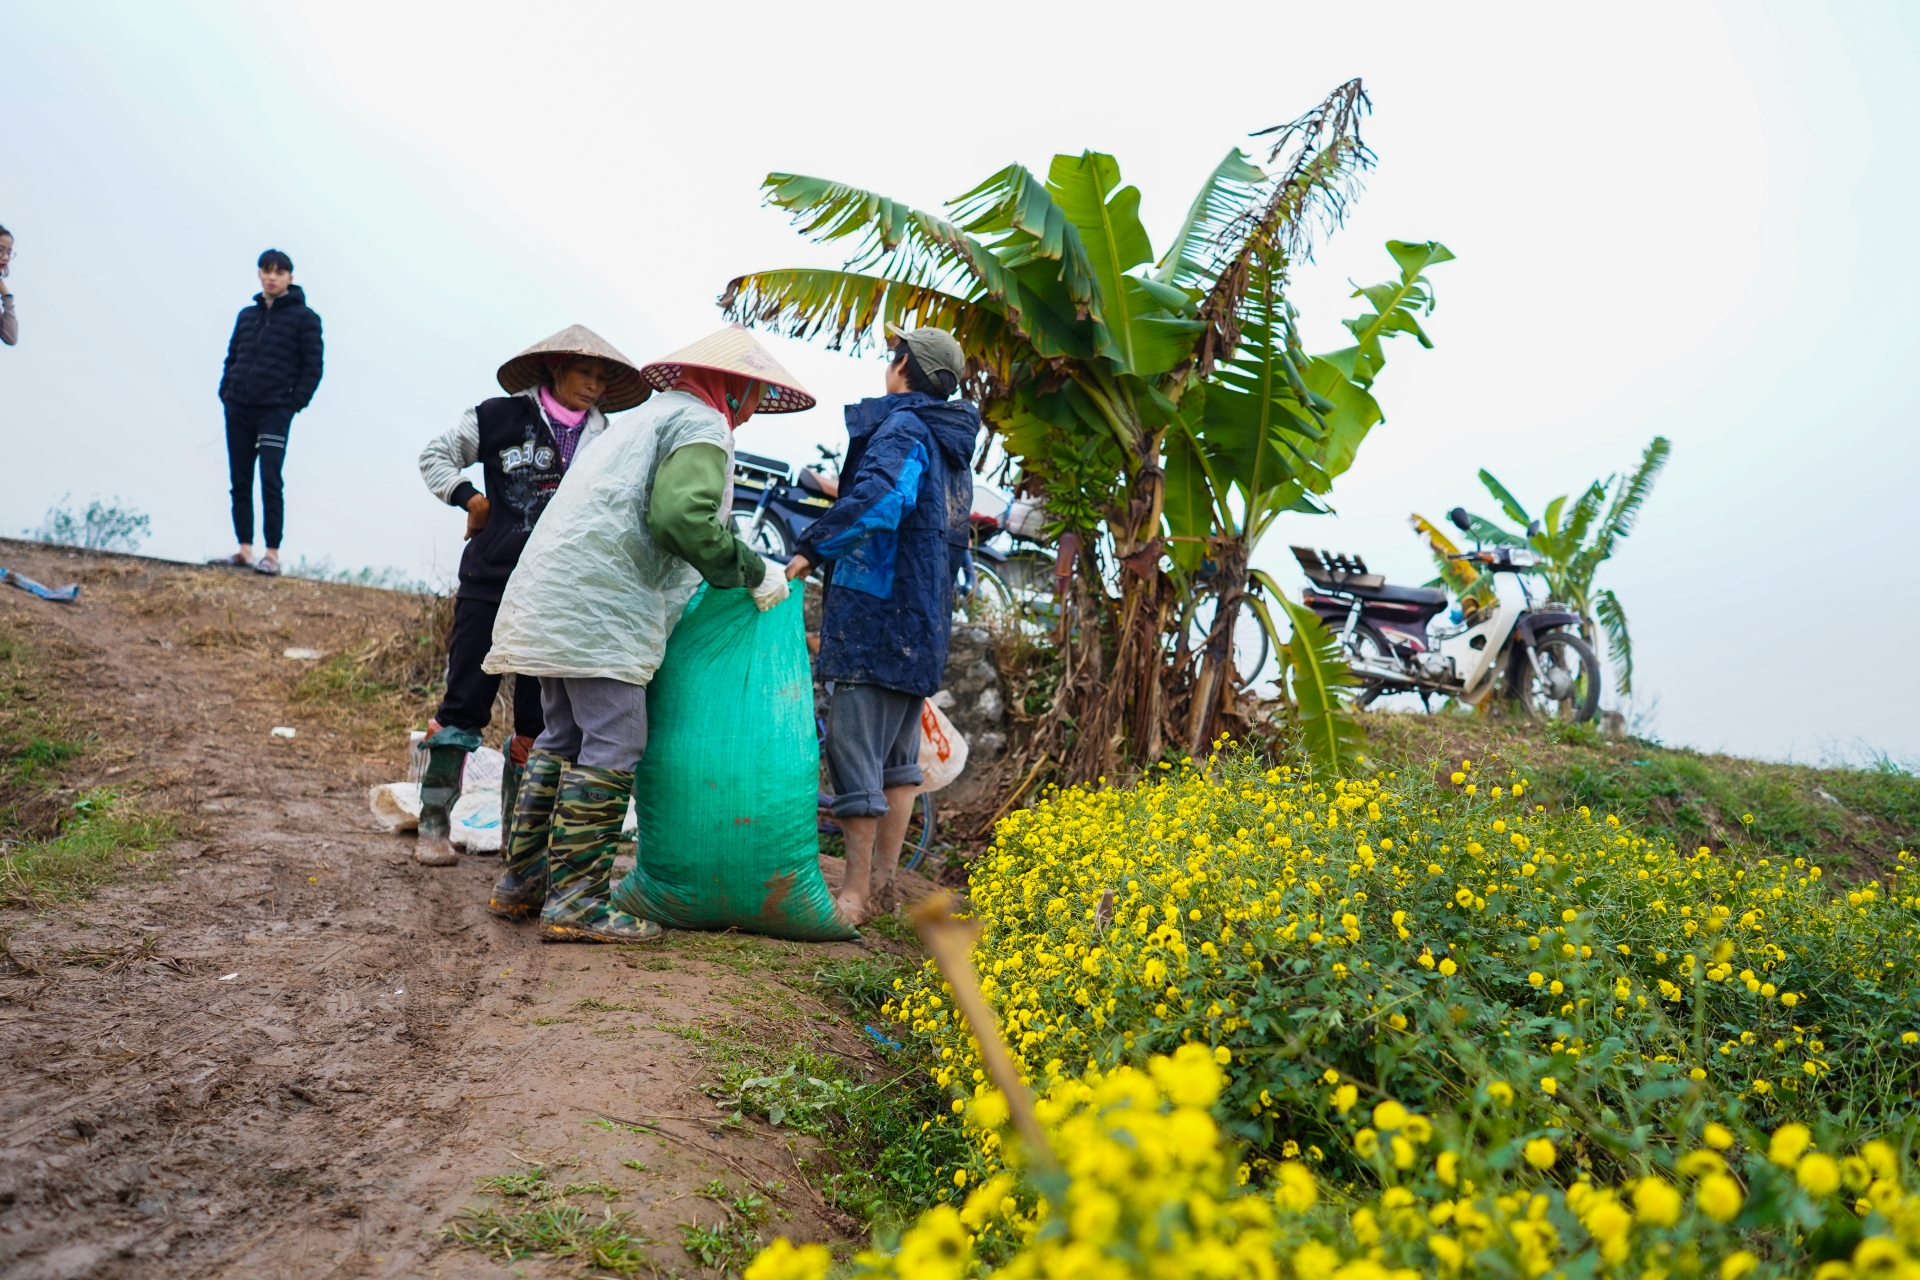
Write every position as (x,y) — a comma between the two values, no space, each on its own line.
(509,797)
(439,788)
(522,887)
(586,835)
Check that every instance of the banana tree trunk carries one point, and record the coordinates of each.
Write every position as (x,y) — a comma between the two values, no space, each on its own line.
(1215,683)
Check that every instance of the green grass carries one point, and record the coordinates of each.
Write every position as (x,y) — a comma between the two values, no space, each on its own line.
(544,1226)
(562,1231)
(103,838)
(1845,817)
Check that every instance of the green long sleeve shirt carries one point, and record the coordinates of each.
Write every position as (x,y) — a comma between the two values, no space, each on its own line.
(690,491)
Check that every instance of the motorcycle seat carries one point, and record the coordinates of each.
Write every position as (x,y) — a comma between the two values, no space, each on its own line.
(1419,597)
(810,481)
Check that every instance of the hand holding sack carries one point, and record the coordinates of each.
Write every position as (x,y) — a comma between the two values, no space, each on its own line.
(773,587)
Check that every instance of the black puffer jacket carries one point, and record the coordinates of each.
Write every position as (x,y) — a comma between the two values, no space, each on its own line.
(274,355)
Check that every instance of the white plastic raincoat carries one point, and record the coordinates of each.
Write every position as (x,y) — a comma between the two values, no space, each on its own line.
(593,594)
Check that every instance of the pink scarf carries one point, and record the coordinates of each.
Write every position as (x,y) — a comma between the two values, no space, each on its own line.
(560,413)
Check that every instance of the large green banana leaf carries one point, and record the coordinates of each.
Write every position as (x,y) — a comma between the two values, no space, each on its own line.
(1318,678)
(1231,191)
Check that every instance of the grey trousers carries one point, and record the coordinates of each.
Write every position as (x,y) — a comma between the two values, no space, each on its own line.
(596,722)
(873,742)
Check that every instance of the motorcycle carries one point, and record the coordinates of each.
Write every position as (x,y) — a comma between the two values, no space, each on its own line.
(1394,644)
(773,505)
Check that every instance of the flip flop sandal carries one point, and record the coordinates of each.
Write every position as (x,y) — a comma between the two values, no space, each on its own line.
(268,565)
(234,561)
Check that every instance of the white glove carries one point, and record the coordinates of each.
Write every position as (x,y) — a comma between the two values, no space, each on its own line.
(773,587)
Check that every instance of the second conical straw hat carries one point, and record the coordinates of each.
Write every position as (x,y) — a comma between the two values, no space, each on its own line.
(733,350)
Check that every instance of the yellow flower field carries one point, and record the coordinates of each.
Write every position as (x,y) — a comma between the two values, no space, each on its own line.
(1396,938)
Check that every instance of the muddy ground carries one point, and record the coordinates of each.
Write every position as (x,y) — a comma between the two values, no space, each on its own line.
(281,1048)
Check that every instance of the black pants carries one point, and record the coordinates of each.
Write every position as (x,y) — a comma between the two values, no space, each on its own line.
(470,691)
(256,431)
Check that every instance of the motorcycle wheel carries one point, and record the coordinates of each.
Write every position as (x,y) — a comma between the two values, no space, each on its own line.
(770,542)
(1370,646)
(1561,654)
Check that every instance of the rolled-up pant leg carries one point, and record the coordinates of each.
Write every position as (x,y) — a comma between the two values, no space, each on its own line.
(873,742)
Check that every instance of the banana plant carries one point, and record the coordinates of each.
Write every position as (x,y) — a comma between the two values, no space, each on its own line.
(1162,405)
(1570,544)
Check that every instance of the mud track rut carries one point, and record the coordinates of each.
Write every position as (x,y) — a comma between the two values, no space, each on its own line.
(383,1042)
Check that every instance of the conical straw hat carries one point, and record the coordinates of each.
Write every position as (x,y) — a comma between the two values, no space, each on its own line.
(528,369)
(733,350)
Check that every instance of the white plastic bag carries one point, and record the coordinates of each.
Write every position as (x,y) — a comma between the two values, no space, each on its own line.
(1027,518)
(943,752)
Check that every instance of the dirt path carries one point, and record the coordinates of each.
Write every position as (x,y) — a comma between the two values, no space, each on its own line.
(290,1051)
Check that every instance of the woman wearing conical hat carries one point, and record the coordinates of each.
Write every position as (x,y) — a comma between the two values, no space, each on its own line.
(559,391)
(640,521)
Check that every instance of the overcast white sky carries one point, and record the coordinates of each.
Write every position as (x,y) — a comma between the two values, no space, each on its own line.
(1675,218)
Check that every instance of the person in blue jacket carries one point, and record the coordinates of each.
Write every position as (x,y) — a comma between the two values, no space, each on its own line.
(892,545)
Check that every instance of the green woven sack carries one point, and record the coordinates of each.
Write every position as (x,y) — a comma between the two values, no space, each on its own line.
(726,792)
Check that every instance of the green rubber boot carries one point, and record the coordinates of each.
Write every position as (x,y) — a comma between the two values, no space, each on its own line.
(439,788)
(586,835)
(522,887)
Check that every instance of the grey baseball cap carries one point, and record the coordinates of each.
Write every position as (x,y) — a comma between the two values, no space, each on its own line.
(933,349)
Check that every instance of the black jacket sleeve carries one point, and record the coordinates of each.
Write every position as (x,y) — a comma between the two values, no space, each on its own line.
(311,353)
(233,345)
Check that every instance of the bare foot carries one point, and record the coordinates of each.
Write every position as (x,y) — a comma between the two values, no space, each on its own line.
(852,908)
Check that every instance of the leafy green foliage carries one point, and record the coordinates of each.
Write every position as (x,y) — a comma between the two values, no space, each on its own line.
(101,527)
(1317,678)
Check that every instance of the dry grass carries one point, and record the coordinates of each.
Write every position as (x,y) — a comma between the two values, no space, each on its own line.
(383,680)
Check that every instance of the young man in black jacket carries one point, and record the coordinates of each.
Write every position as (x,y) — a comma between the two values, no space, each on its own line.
(272,371)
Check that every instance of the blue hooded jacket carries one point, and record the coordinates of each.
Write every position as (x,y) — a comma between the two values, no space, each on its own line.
(894,541)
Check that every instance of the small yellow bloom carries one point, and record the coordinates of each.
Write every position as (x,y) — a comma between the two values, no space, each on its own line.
(1540,1153)
(782,1260)
(1737,1264)
(1819,1174)
(1719,1197)
(1718,1136)
(1535,979)
(1294,1187)
(1788,1141)
(1448,968)
(1656,1202)
(1549,1086)
(1501,1092)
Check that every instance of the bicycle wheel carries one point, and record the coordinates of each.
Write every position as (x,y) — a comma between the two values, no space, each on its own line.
(920,835)
(1252,647)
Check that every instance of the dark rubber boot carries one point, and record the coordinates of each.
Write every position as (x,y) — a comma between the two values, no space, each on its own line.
(446,757)
(522,887)
(586,835)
